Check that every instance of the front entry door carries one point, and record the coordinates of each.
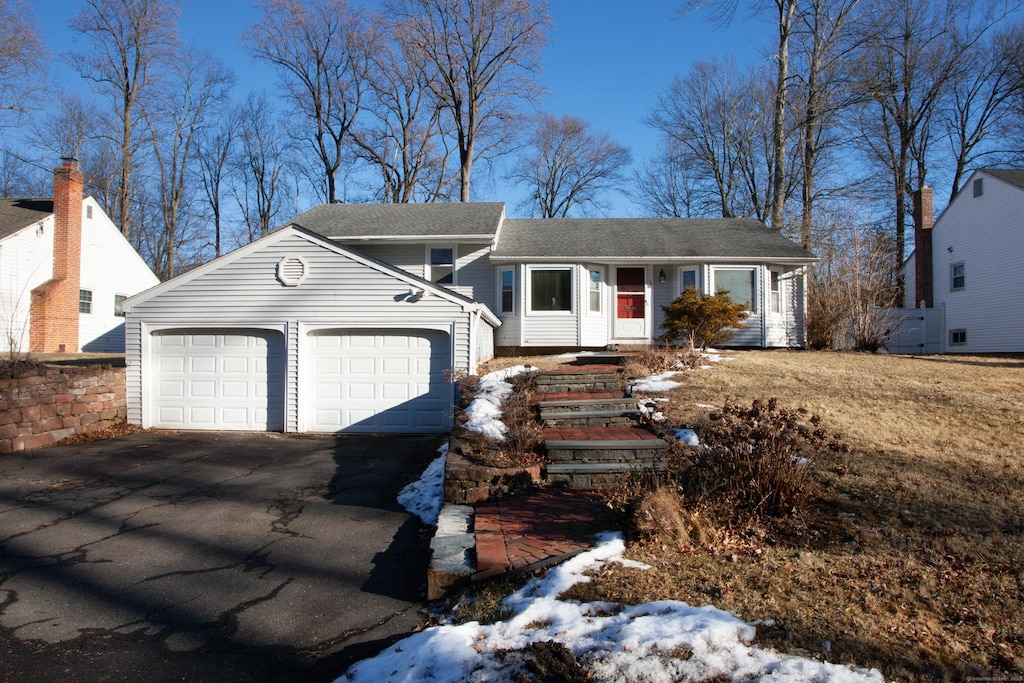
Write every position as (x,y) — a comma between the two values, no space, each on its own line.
(630,304)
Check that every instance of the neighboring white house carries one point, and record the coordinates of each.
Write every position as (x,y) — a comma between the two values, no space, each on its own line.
(90,272)
(358,317)
(973,281)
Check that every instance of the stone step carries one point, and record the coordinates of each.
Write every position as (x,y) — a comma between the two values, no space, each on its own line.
(560,384)
(609,358)
(577,475)
(589,418)
(566,405)
(602,444)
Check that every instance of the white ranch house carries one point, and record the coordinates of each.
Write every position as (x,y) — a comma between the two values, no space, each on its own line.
(352,317)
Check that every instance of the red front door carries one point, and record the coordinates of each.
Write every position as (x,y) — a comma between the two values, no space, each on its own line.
(630,302)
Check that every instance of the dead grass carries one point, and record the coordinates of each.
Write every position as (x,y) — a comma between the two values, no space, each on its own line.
(910,557)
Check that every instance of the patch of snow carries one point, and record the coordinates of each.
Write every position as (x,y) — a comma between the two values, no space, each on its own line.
(655,383)
(613,642)
(687,436)
(424,496)
(484,412)
(706,406)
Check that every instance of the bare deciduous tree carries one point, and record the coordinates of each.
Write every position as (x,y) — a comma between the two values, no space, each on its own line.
(21,58)
(401,138)
(992,78)
(666,186)
(567,167)
(214,150)
(713,116)
(259,167)
(723,13)
(132,41)
(821,41)
(910,54)
(482,56)
(322,49)
(176,120)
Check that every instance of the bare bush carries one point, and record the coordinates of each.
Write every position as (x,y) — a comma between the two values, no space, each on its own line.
(760,457)
(661,518)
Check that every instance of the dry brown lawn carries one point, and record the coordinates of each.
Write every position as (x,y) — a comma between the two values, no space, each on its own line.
(910,557)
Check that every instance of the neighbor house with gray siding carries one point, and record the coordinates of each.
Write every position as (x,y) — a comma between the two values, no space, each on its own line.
(357,317)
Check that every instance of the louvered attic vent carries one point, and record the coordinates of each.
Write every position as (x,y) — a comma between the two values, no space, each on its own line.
(292,270)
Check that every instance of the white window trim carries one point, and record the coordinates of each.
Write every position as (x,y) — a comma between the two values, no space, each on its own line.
(952,280)
(697,278)
(600,291)
(528,303)
(428,268)
(91,302)
(782,300)
(755,295)
(501,290)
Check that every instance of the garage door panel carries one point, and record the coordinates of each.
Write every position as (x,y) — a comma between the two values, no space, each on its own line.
(389,381)
(219,379)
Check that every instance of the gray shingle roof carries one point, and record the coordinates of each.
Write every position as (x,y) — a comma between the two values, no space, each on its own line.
(16,214)
(636,238)
(471,219)
(1009,175)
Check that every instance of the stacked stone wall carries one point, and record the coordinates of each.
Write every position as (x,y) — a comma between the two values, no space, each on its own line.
(43,406)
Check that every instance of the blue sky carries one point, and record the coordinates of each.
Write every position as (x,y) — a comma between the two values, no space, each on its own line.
(606,61)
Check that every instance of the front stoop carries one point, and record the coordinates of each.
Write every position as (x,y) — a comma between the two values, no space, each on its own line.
(582,457)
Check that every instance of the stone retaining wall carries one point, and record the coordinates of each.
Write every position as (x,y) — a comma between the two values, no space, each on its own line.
(42,406)
(466,483)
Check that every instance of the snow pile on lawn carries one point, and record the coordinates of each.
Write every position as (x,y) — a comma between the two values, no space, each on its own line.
(652,383)
(612,642)
(485,410)
(424,496)
(687,436)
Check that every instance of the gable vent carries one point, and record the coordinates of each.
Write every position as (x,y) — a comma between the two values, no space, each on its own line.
(292,270)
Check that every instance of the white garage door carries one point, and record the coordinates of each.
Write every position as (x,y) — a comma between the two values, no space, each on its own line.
(218,379)
(378,381)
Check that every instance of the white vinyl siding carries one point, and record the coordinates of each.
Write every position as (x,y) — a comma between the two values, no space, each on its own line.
(26,261)
(109,266)
(987,234)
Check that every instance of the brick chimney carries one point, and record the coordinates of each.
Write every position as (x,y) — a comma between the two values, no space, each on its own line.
(53,325)
(923,220)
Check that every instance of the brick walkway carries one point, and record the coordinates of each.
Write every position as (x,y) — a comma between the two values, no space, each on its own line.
(536,529)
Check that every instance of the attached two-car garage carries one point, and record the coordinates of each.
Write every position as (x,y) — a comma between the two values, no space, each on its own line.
(389,381)
(356,346)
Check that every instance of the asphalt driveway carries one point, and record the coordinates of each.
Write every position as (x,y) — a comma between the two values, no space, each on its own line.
(207,556)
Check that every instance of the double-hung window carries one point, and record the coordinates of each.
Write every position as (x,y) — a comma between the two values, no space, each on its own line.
(118,300)
(550,289)
(957,276)
(85,301)
(441,268)
(507,293)
(689,278)
(776,291)
(594,290)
